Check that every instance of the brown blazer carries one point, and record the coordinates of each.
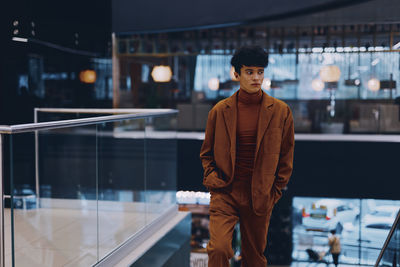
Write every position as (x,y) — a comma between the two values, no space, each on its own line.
(273,162)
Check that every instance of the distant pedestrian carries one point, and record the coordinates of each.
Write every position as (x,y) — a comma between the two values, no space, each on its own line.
(334,247)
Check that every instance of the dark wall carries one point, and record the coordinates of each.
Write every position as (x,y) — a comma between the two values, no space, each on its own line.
(321,169)
(346,170)
(144,16)
(63,37)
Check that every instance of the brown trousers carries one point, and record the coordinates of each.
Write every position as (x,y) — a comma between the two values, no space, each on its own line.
(227,207)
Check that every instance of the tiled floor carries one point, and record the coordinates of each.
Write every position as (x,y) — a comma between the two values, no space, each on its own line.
(68,237)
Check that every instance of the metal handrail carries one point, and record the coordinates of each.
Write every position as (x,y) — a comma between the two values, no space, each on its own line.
(389,237)
(99,110)
(31,127)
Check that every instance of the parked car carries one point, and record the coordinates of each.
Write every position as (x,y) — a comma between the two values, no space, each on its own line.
(386,213)
(329,214)
(375,227)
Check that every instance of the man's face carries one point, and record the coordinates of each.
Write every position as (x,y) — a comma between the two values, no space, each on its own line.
(250,78)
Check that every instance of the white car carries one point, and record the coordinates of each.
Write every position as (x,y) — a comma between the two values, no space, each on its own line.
(380,214)
(329,214)
(375,226)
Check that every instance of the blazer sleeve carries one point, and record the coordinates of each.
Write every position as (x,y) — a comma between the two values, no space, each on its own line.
(207,149)
(285,164)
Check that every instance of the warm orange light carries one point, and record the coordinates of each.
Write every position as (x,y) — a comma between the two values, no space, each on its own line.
(161,73)
(317,85)
(266,84)
(374,84)
(87,76)
(329,73)
(213,84)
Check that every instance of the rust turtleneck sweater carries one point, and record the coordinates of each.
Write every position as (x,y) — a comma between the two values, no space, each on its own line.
(248,108)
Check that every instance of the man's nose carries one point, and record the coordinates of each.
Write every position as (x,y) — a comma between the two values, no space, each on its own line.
(258,76)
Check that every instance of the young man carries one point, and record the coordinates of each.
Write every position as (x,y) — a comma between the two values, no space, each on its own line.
(247,156)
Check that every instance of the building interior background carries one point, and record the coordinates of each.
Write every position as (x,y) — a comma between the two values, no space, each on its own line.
(335,62)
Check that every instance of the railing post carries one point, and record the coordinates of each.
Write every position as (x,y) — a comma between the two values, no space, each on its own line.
(2,250)
(37,161)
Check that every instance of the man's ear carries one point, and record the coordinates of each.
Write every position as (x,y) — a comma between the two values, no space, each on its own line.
(236,75)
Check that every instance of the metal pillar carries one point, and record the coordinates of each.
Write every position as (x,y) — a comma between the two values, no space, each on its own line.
(2,250)
(37,161)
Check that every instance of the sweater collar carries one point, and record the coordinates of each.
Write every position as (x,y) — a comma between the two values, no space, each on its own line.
(247,98)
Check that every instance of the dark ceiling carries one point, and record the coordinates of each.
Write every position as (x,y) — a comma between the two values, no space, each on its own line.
(79,25)
(176,15)
(368,12)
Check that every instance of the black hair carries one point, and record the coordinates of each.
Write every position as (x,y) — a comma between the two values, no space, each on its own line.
(333,232)
(251,56)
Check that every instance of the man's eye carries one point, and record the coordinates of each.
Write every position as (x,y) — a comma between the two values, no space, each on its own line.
(249,72)
(261,72)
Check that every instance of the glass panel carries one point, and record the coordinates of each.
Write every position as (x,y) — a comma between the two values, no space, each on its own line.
(62,228)
(161,165)
(6,146)
(121,161)
(391,254)
(365,226)
(292,75)
(313,221)
(45,116)
(377,219)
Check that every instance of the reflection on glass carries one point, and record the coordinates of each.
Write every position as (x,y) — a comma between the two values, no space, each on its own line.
(60,228)
(377,221)
(362,226)
(161,160)
(121,171)
(391,252)
(296,73)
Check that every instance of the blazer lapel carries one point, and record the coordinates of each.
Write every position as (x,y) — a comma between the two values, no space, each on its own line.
(230,118)
(263,119)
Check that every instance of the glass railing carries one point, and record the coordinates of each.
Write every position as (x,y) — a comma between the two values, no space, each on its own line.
(390,254)
(76,190)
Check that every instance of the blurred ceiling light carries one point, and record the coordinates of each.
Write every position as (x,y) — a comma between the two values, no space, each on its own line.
(317,85)
(374,84)
(19,39)
(317,50)
(15,23)
(87,76)
(357,82)
(266,84)
(396,46)
(232,74)
(329,73)
(213,84)
(330,49)
(161,74)
(375,61)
